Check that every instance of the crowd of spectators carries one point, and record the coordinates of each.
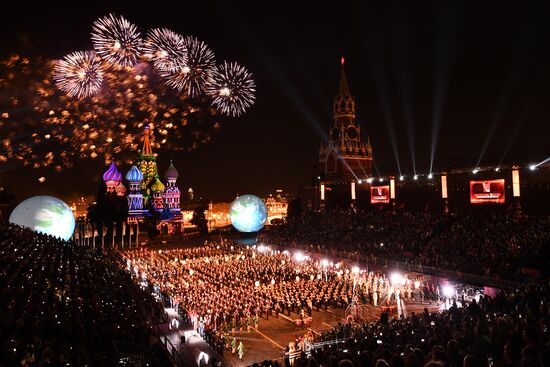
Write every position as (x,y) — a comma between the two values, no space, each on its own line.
(500,243)
(64,305)
(508,330)
(68,305)
(495,245)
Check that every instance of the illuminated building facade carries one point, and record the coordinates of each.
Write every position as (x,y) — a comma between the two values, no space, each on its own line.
(277,206)
(80,207)
(147,194)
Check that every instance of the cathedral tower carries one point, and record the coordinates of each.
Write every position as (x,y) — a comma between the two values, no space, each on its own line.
(172,192)
(345,157)
(135,198)
(147,164)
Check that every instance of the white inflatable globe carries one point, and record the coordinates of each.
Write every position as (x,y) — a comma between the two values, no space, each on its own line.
(248,213)
(45,214)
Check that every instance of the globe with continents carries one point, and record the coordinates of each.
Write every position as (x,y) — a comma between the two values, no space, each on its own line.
(248,213)
(45,214)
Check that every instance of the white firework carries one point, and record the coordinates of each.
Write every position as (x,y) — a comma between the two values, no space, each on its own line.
(231,88)
(192,76)
(165,48)
(116,40)
(79,74)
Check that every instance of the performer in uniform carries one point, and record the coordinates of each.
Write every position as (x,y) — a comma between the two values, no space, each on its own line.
(240,350)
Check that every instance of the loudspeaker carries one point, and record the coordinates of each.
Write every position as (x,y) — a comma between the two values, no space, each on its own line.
(384,318)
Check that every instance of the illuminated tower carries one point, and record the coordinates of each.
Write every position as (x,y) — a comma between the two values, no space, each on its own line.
(147,163)
(345,157)
(112,178)
(135,198)
(172,192)
(157,188)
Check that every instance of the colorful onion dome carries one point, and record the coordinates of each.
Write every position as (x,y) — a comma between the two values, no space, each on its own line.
(134,174)
(157,185)
(112,174)
(171,171)
(120,189)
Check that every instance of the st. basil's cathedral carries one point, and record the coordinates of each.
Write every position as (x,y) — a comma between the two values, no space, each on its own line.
(148,196)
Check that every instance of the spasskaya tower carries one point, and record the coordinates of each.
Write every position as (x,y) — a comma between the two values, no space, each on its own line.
(345,157)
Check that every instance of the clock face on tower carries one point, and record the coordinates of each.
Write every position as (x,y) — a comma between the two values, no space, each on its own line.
(352,133)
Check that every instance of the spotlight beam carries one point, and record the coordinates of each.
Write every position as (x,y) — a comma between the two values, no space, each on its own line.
(515,73)
(315,87)
(250,36)
(514,133)
(445,36)
(521,120)
(503,103)
(376,168)
(379,73)
(546,160)
(403,54)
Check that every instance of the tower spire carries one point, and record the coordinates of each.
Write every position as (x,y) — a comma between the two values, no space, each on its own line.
(146,144)
(343,89)
(344,104)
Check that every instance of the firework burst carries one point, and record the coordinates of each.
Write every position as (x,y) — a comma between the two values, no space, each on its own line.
(41,126)
(141,83)
(231,88)
(79,74)
(192,76)
(116,40)
(165,48)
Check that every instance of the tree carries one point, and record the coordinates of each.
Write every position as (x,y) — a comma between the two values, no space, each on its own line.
(199,220)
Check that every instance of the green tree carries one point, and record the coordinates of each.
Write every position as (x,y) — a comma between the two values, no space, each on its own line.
(199,220)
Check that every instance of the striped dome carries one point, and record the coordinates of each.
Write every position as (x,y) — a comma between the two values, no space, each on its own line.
(112,174)
(134,174)
(171,171)
(157,185)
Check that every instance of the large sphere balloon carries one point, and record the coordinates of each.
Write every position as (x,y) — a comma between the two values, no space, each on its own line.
(248,213)
(45,214)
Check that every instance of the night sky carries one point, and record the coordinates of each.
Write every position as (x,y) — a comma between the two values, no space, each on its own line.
(478,69)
